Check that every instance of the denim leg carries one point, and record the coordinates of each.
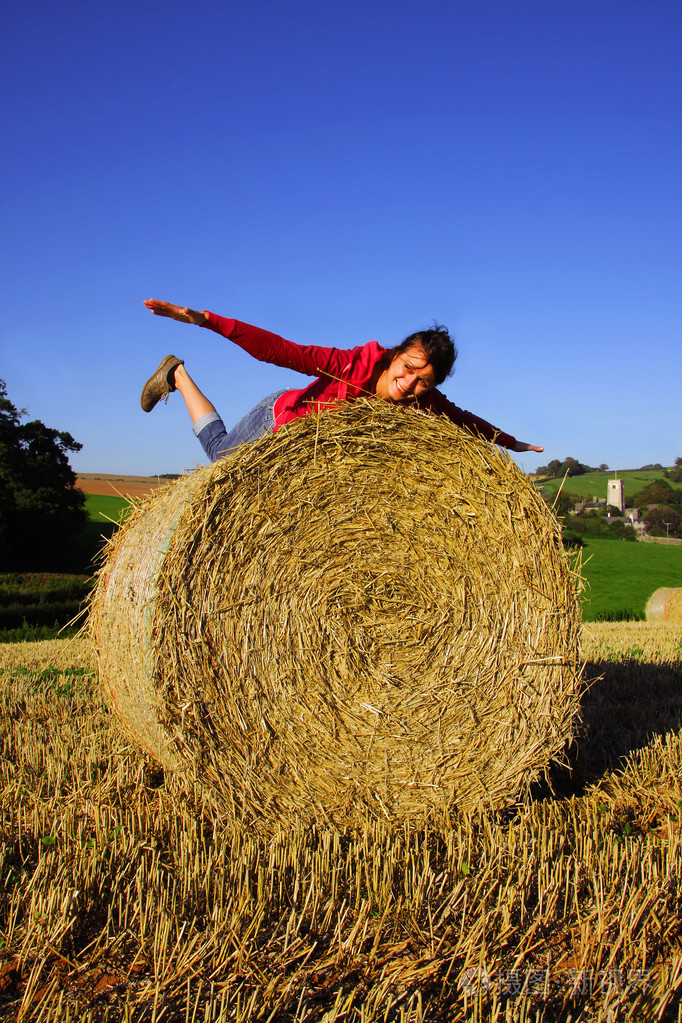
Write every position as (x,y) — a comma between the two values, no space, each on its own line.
(217,441)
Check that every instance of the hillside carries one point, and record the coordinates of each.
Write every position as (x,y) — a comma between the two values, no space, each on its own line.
(594,484)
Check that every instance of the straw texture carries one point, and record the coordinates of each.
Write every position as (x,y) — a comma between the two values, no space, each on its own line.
(370,610)
(665,605)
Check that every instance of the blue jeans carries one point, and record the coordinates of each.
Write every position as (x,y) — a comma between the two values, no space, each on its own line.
(218,442)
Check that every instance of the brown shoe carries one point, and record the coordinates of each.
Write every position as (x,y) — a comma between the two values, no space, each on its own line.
(160,383)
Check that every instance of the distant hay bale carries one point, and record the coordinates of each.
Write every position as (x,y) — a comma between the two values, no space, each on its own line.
(370,610)
(665,605)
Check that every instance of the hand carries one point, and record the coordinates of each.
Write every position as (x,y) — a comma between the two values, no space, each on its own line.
(176,312)
(522,446)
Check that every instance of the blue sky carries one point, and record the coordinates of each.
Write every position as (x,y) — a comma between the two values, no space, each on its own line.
(339,172)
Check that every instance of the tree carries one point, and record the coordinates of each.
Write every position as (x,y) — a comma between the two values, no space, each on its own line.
(564,503)
(571,539)
(664,521)
(570,466)
(40,507)
(676,473)
(657,492)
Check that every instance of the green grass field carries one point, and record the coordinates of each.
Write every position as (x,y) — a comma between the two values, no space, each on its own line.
(622,576)
(593,484)
(101,507)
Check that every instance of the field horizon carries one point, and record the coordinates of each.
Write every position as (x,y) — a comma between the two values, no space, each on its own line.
(119,485)
(620,576)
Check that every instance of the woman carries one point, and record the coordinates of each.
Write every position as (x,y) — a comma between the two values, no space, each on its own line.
(405,375)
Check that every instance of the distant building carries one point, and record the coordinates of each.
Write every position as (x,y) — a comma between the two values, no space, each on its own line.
(614,495)
(591,504)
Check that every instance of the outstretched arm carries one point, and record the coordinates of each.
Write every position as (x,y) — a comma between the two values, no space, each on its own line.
(176,312)
(436,400)
(521,446)
(261,344)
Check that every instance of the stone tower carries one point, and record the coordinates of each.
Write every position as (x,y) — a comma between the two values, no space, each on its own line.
(614,494)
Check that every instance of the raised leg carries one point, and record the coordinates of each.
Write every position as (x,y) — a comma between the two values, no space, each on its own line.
(197,403)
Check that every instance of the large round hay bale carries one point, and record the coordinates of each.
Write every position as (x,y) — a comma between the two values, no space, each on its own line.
(665,605)
(369,609)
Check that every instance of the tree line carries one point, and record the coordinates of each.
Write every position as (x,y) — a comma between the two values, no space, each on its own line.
(569,465)
(573,467)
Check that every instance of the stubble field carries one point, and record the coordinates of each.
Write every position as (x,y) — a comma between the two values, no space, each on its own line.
(124,899)
(118,486)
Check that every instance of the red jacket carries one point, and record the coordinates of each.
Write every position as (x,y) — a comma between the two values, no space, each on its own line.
(342,374)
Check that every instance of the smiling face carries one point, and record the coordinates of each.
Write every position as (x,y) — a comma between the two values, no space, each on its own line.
(407,377)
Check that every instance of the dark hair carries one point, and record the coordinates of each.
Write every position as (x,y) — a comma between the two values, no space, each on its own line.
(438,346)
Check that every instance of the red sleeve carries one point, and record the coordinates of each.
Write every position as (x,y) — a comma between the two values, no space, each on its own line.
(474,424)
(309,359)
